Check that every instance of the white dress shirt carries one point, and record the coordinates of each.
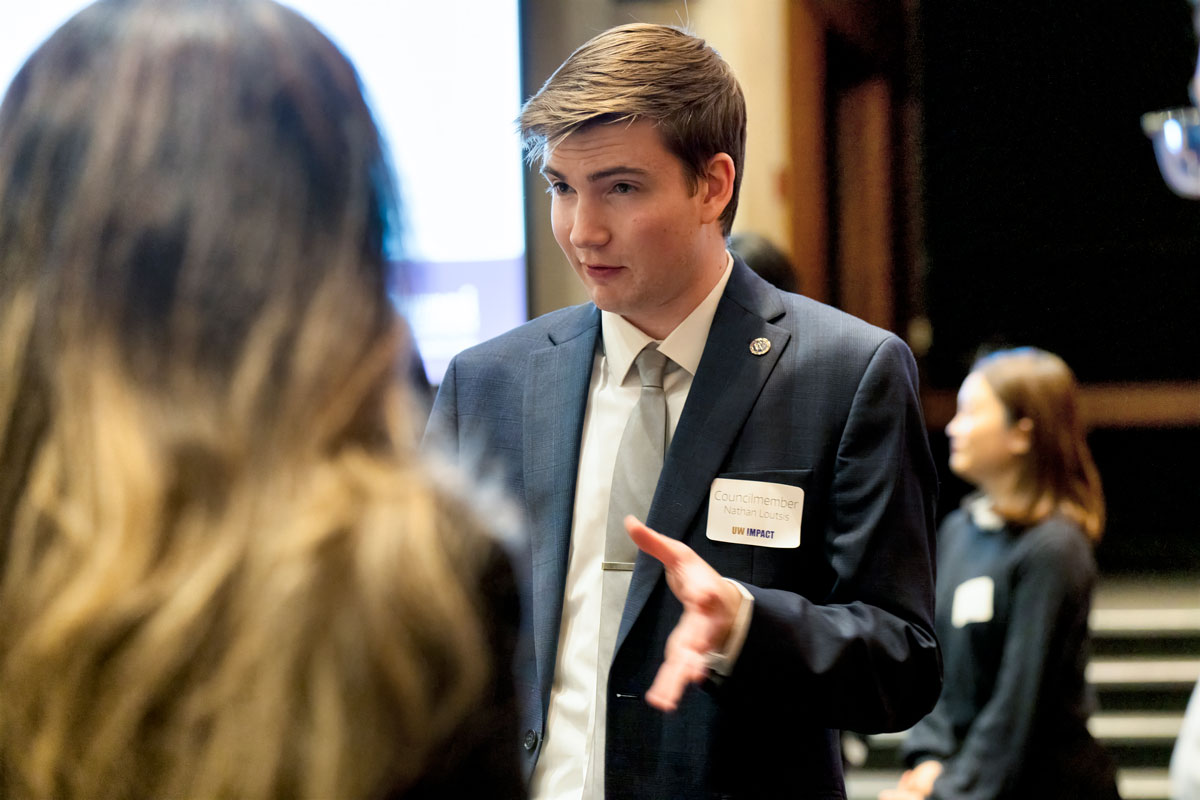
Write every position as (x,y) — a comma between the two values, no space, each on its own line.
(561,772)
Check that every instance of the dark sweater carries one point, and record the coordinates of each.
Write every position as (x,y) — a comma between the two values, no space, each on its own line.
(1012,718)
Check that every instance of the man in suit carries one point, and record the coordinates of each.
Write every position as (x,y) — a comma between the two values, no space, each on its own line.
(785,584)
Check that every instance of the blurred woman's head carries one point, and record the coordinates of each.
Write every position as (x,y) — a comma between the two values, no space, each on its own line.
(191,191)
(220,573)
(1017,433)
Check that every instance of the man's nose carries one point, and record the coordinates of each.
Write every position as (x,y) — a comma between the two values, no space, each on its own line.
(589,229)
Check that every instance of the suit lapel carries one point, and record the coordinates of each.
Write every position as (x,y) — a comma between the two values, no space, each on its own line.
(724,390)
(556,390)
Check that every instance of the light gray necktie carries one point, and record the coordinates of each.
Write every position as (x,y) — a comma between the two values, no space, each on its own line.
(639,462)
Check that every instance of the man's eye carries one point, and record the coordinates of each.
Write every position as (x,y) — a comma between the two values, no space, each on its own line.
(558,187)
(622,188)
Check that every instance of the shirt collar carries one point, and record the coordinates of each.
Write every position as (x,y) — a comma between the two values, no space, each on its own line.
(684,345)
(980,509)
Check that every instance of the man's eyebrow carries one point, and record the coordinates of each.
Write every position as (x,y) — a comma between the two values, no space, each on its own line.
(611,172)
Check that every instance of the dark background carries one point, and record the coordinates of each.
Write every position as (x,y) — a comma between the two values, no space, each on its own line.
(1046,223)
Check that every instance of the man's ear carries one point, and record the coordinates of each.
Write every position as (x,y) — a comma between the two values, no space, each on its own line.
(716,186)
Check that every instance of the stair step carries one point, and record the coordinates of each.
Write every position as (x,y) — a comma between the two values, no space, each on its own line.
(1143,784)
(1111,622)
(1152,673)
(1136,727)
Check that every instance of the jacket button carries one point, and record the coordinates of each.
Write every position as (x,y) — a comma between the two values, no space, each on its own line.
(531,740)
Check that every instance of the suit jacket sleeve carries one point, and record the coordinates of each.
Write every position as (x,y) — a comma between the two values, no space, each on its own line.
(864,658)
(931,739)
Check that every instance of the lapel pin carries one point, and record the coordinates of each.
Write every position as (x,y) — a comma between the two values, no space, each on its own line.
(760,346)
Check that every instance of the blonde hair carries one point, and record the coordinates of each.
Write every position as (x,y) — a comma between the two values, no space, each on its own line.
(223,571)
(1038,386)
(646,72)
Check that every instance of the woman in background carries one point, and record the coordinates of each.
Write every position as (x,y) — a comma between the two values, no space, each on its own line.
(1015,580)
(224,571)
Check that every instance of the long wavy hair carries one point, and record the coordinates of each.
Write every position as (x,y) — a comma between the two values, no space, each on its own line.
(222,571)
(1038,386)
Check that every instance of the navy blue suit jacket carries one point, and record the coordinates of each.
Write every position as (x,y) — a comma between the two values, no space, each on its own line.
(842,630)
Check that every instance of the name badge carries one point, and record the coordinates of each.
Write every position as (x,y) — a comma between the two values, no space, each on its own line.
(972,601)
(755,512)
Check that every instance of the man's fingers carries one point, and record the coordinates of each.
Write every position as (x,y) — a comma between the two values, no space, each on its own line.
(667,688)
(664,548)
(704,624)
(673,677)
(685,661)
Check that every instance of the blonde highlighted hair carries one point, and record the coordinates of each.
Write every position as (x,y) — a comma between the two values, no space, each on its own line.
(1038,386)
(223,572)
(646,72)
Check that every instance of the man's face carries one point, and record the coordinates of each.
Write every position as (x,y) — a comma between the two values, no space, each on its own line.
(640,239)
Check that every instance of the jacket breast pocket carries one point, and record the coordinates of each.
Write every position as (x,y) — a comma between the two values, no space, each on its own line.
(782,567)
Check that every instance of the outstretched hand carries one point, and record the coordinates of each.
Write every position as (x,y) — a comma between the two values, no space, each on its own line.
(710,604)
(916,783)
(900,794)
